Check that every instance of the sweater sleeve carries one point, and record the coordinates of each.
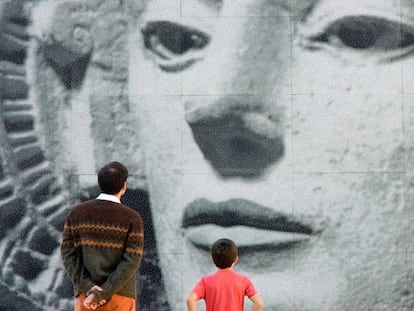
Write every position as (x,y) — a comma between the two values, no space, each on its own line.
(69,254)
(129,264)
(72,260)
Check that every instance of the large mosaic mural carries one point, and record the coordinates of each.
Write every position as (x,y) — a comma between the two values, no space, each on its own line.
(285,125)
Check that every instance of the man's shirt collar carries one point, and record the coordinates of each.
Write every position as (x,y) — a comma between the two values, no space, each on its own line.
(108,197)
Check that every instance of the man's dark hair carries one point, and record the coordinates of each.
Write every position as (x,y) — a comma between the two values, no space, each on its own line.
(224,252)
(111,177)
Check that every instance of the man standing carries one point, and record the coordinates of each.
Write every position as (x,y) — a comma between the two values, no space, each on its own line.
(102,246)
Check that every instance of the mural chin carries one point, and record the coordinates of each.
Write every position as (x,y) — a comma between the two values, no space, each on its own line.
(319,256)
(281,260)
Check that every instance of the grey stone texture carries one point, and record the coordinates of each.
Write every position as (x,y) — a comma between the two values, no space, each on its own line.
(34,197)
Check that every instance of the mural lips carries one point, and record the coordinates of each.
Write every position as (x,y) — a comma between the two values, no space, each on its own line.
(252,226)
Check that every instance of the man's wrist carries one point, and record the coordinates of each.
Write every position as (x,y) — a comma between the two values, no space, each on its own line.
(97,295)
(92,289)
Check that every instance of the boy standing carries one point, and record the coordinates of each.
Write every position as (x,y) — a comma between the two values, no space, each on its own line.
(225,289)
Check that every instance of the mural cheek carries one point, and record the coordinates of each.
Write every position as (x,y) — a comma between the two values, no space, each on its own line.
(354,133)
(358,222)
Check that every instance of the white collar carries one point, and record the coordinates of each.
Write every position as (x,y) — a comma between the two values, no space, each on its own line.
(108,197)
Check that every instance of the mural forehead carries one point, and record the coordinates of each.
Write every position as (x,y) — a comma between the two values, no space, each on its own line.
(283,125)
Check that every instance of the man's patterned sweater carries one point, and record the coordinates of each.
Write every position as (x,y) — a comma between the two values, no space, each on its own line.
(102,245)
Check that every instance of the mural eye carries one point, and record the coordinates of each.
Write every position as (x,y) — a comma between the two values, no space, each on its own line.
(175,47)
(367,33)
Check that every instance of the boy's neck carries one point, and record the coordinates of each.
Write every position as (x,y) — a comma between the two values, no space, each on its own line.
(229,268)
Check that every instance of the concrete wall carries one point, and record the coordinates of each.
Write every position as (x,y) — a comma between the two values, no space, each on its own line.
(283,125)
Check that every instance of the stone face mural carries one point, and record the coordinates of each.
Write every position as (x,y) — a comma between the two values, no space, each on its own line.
(284,125)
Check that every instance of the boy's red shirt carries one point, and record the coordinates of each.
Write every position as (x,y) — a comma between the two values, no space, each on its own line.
(224,290)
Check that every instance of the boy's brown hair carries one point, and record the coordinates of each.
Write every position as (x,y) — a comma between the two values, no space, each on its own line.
(224,252)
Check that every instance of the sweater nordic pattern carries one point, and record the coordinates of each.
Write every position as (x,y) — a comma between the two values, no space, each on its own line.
(102,245)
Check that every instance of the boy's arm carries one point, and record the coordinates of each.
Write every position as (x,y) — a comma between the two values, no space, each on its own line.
(191,302)
(257,303)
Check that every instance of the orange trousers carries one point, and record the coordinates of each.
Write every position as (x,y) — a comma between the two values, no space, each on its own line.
(116,303)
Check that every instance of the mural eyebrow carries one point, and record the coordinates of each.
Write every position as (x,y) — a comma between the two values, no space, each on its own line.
(213,4)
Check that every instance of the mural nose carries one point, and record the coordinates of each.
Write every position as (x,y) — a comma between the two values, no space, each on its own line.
(237,143)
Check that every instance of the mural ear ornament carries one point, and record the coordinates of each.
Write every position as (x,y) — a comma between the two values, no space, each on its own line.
(66,41)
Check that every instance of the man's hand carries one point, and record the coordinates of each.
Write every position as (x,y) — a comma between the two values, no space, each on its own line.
(89,301)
